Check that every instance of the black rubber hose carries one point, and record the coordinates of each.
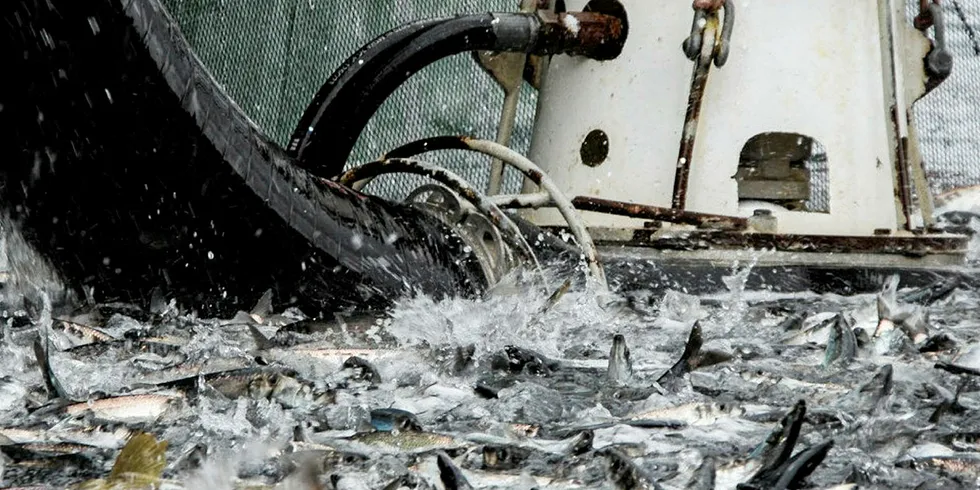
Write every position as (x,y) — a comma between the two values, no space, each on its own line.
(354,72)
(129,169)
(324,142)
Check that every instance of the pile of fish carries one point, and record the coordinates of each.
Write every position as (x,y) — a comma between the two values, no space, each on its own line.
(742,390)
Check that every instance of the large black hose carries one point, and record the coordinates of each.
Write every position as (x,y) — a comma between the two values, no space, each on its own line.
(328,131)
(129,168)
(358,69)
(332,123)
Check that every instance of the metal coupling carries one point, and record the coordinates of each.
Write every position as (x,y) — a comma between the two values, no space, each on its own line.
(590,34)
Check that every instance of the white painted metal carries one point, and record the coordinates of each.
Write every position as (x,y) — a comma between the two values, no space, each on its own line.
(814,68)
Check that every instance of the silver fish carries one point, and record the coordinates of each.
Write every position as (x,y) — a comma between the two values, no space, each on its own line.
(625,474)
(842,344)
(127,408)
(693,413)
(620,369)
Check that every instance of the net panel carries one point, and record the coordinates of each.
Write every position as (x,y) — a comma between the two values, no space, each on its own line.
(946,119)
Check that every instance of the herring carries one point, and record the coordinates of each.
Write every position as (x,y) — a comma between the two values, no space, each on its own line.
(269,382)
(405,442)
(620,365)
(693,413)
(126,408)
(625,474)
(842,344)
(688,360)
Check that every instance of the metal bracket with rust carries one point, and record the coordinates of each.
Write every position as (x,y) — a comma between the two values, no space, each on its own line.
(508,70)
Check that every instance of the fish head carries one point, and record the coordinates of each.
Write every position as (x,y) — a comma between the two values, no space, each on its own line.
(293,393)
(261,386)
(620,365)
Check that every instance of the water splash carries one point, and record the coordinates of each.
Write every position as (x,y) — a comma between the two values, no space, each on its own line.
(510,315)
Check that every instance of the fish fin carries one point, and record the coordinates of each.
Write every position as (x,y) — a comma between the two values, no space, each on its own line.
(55,390)
(263,306)
(778,446)
(261,341)
(799,467)
(689,359)
(450,475)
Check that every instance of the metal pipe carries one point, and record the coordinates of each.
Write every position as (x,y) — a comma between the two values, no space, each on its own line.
(532,172)
(516,201)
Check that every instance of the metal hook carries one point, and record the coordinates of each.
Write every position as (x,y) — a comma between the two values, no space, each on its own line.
(724,45)
(939,61)
(692,45)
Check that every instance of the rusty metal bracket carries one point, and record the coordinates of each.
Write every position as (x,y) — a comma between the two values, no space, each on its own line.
(704,45)
(669,215)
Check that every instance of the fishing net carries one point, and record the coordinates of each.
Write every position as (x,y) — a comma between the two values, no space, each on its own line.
(272,56)
(946,119)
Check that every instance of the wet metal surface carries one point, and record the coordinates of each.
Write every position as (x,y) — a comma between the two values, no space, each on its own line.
(913,246)
(511,234)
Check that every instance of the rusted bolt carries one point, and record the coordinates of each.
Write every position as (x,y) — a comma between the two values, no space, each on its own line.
(597,33)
